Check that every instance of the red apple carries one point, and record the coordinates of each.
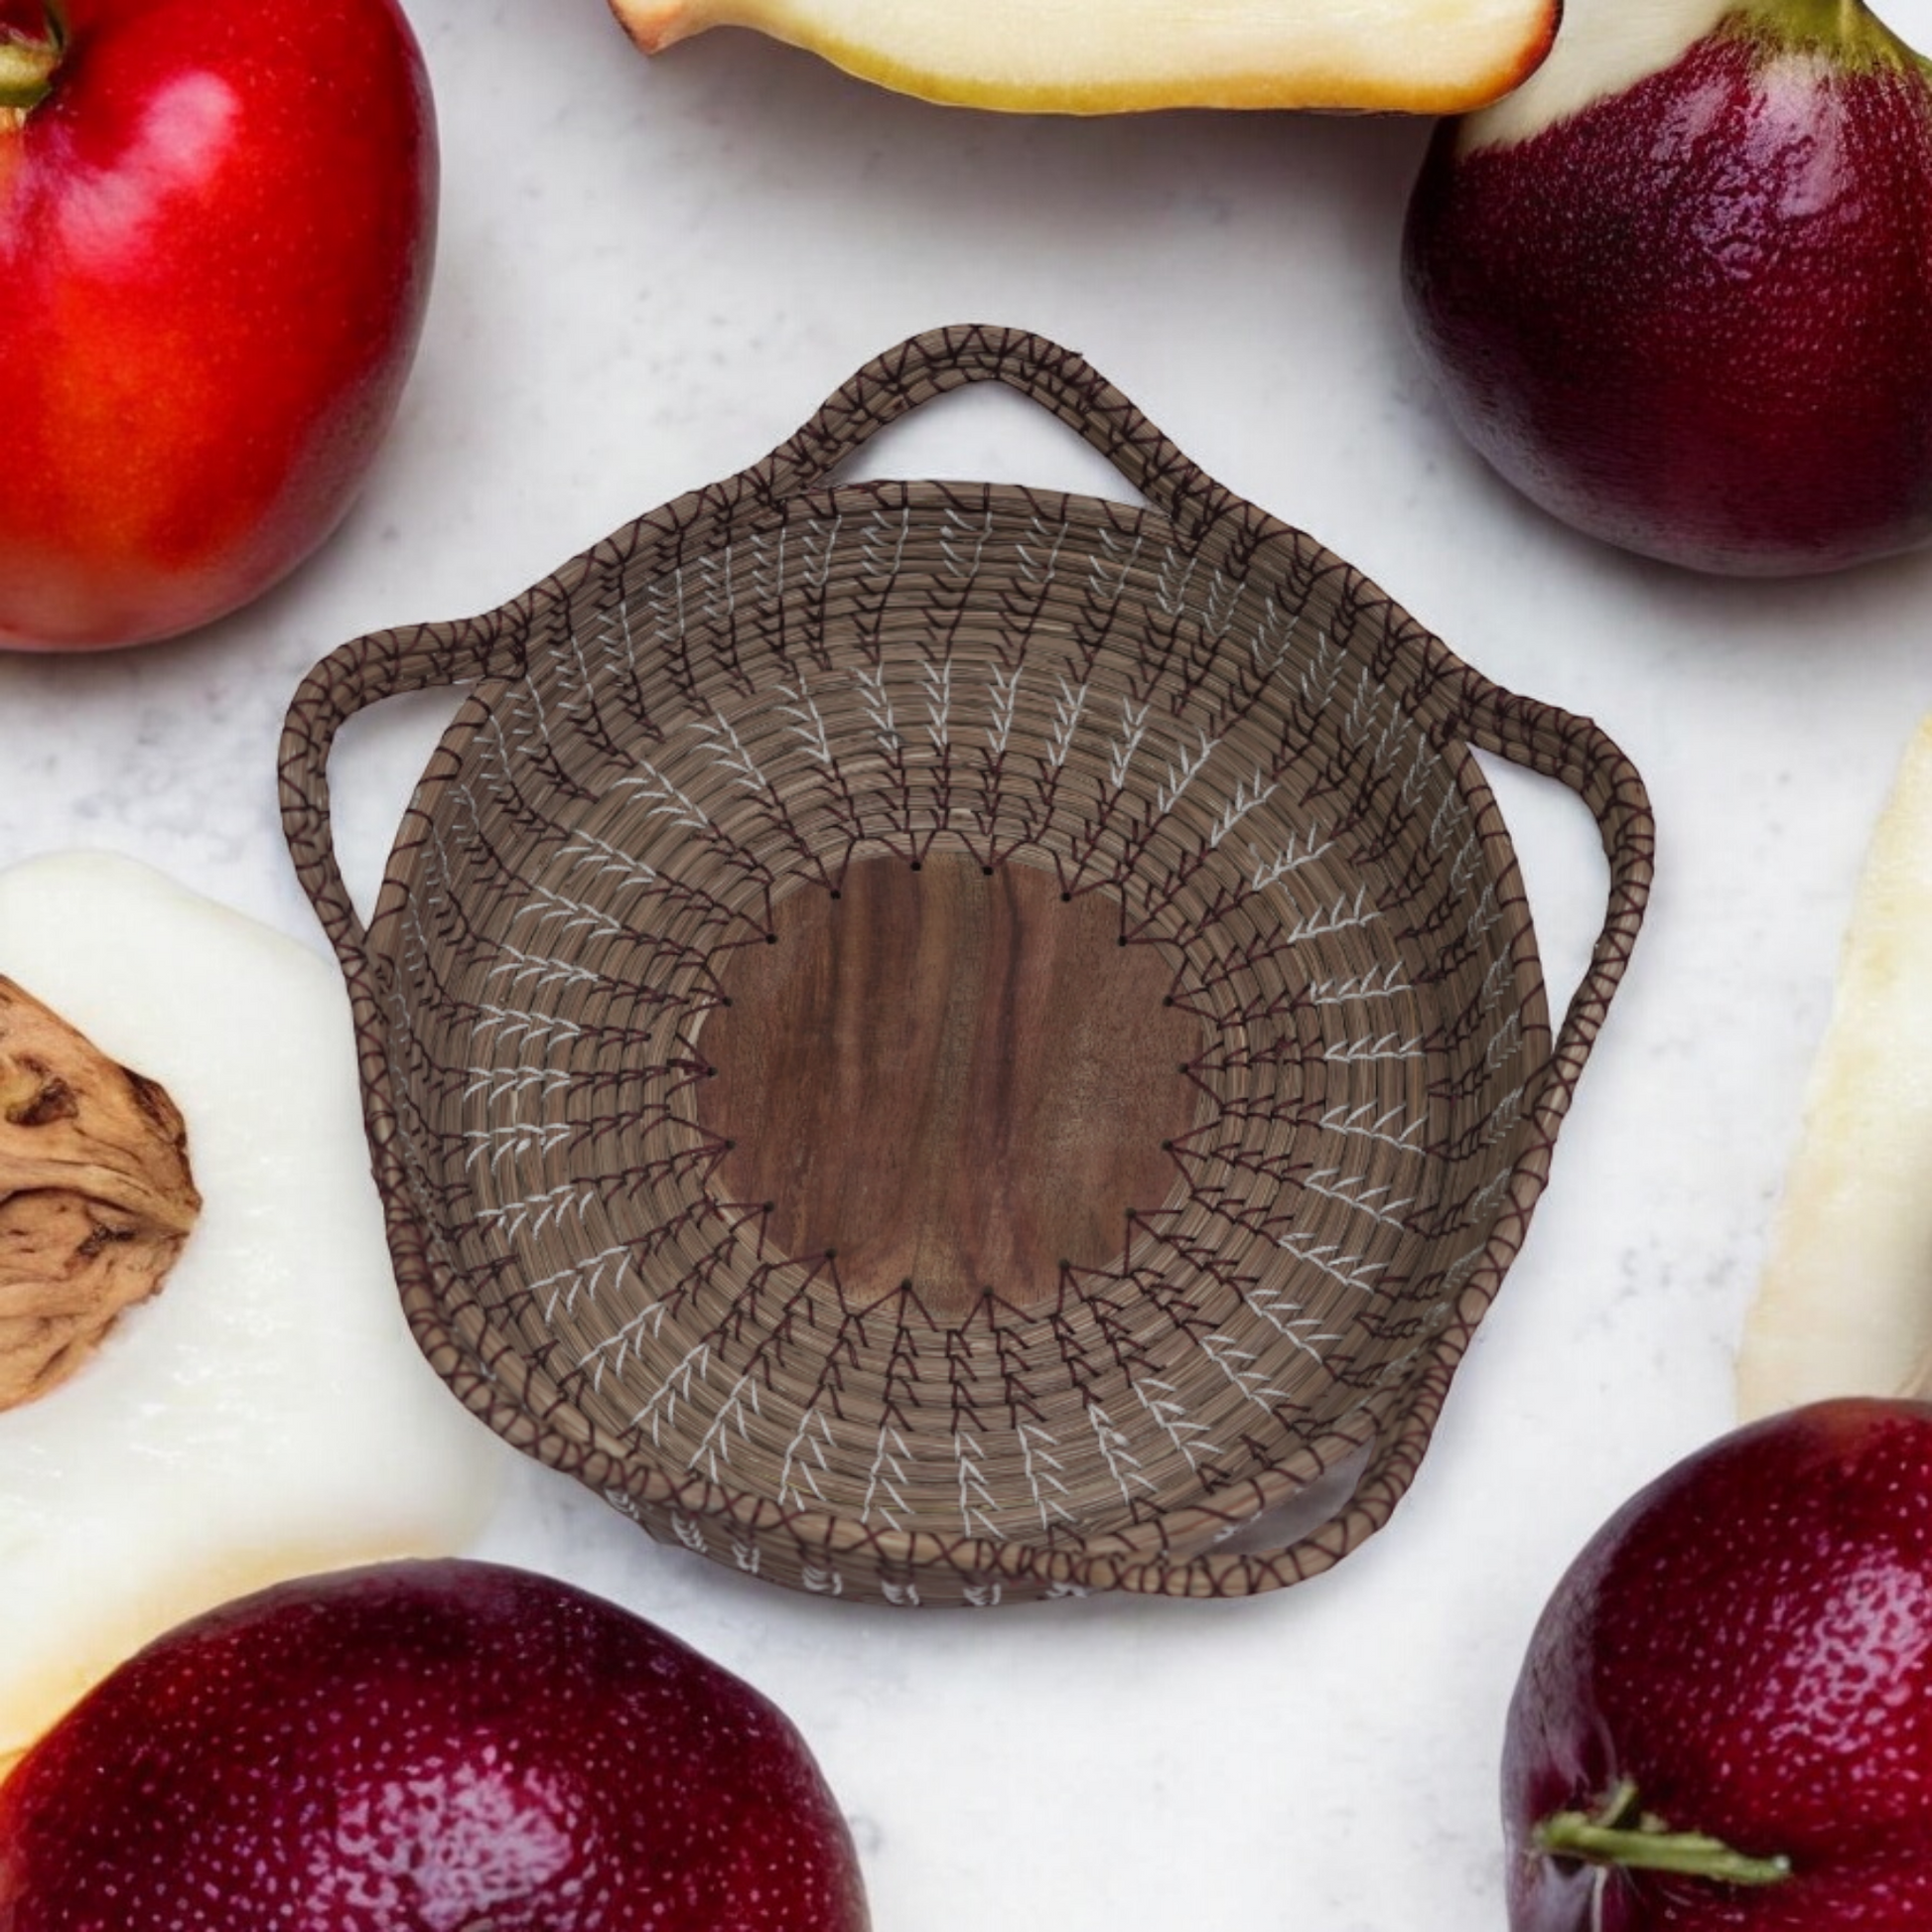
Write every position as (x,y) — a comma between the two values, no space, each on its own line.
(1723,1723)
(1678,288)
(217,226)
(446,1746)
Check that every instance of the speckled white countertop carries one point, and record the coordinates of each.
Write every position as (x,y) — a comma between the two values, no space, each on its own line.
(652,274)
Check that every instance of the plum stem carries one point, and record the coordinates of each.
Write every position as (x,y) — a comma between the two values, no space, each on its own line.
(1618,1834)
(1847,29)
(27,65)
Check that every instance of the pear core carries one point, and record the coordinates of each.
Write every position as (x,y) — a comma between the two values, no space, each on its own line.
(96,1195)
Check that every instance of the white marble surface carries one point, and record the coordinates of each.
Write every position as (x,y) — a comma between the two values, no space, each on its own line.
(650,274)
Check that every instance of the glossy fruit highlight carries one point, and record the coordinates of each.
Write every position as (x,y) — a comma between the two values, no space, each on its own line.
(1678,288)
(216,230)
(1723,1723)
(424,1747)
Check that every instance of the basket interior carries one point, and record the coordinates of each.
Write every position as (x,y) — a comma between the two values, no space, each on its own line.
(922,812)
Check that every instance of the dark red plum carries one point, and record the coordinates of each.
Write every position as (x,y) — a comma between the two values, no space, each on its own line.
(1723,1722)
(1693,315)
(437,1747)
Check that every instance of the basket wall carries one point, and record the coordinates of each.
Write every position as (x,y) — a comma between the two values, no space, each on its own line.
(1226,735)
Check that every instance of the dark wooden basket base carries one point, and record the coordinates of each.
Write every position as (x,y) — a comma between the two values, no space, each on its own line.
(947,1043)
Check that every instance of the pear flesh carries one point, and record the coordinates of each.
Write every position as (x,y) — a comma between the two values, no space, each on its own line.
(1844,1305)
(1101,56)
(266,1413)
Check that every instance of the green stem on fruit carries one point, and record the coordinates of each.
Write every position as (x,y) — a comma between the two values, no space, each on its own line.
(27,65)
(1618,1834)
(1847,29)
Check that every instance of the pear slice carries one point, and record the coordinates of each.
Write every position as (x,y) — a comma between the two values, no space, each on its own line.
(267,1414)
(1843,1306)
(1105,56)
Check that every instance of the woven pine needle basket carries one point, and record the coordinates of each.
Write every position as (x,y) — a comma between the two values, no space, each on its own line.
(951,1044)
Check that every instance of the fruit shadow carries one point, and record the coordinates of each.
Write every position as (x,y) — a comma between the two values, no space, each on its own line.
(757,223)
(1078,206)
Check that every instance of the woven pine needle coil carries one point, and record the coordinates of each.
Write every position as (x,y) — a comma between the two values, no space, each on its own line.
(951,1044)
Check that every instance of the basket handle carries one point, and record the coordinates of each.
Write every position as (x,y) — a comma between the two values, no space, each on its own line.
(1060,382)
(354,676)
(1578,754)
(427,656)
(1462,707)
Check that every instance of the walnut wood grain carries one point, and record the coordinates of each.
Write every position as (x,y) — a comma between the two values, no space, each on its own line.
(949,1081)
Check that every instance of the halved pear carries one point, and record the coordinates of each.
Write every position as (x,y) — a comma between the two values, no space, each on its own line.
(1844,1305)
(266,1413)
(1106,56)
